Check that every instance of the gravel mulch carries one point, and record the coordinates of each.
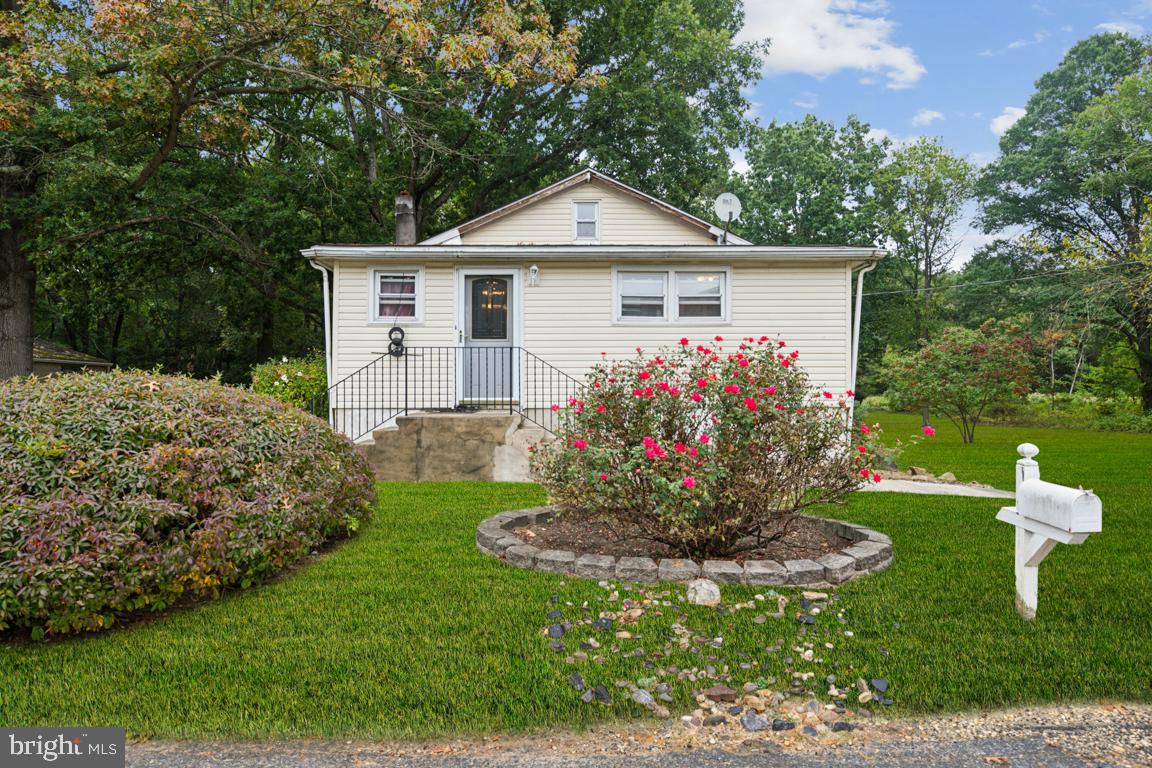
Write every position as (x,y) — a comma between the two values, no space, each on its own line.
(1047,737)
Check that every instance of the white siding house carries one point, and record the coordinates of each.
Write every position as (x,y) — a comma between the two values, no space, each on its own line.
(498,310)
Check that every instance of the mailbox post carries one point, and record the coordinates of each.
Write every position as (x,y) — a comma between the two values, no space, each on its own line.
(1045,515)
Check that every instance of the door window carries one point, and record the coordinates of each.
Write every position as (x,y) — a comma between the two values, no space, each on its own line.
(490,308)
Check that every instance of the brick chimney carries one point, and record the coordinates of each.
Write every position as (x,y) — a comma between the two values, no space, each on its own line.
(405,220)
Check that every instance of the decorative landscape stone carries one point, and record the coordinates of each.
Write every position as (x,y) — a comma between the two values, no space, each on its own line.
(804,572)
(638,569)
(723,571)
(673,569)
(555,560)
(703,592)
(595,567)
(869,552)
(837,568)
(760,573)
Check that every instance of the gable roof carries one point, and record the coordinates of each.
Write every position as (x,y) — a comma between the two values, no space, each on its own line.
(582,177)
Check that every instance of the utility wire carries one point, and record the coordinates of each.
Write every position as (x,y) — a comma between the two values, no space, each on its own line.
(1055,273)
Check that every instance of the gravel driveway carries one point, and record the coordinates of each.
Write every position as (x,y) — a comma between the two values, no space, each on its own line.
(1050,737)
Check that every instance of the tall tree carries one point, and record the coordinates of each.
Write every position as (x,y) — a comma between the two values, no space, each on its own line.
(923,191)
(809,182)
(107,94)
(1075,170)
(655,99)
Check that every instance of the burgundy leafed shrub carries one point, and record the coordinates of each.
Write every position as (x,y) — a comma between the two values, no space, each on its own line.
(704,448)
(127,492)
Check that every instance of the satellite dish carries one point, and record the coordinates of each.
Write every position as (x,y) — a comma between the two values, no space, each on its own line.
(727,207)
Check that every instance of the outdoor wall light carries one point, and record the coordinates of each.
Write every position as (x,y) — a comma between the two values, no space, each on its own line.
(533,275)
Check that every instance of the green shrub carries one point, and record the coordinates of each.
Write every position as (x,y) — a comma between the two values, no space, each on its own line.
(703,449)
(298,381)
(126,492)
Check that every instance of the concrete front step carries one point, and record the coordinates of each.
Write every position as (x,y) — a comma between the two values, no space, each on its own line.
(453,446)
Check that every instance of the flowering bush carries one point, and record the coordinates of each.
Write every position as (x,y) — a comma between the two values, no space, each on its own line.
(703,449)
(123,492)
(963,373)
(297,381)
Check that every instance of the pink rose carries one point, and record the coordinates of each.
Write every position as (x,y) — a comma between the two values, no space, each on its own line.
(689,482)
(750,403)
(929,431)
(603,476)
(704,439)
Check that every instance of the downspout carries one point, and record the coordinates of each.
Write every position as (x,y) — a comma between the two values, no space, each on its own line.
(856,332)
(327,325)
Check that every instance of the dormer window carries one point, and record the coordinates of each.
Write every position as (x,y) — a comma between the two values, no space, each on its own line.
(586,221)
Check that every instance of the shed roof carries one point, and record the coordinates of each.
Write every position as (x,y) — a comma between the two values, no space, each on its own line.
(44,351)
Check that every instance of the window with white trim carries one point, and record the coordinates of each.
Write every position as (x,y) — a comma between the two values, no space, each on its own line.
(682,295)
(586,221)
(396,295)
(700,295)
(642,295)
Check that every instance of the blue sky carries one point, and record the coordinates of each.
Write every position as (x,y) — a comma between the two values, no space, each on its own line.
(959,70)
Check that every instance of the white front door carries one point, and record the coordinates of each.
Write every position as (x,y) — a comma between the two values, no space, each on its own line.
(489,360)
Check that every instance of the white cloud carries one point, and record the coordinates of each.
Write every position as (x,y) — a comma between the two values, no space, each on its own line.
(1124,27)
(1036,38)
(1006,119)
(898,141)
(981,159)
(927,117)
(822,37)
(807,100)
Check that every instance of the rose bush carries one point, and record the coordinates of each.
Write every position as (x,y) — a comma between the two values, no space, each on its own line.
(127,492)
(704,449)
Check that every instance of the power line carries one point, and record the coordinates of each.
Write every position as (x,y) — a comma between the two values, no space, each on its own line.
(1054,273)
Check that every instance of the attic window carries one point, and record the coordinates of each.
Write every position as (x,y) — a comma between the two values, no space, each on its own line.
(586,221)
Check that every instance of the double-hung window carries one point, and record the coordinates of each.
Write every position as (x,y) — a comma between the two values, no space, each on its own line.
(586,221)
(643,295)
(690,295)
(396,295)
(700,295)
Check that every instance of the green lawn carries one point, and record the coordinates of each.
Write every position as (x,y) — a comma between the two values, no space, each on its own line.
(408,631)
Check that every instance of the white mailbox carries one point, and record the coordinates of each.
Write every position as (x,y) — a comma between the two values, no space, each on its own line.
(1045,515)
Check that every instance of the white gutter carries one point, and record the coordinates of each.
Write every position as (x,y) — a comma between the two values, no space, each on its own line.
(327,326)
(591,252)
(856,328)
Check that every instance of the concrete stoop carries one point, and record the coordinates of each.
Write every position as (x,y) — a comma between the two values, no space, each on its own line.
(453,446)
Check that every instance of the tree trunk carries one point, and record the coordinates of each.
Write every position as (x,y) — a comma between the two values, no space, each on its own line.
(17,296)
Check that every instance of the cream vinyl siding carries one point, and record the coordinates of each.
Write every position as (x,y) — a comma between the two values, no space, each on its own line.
(569,318)
(624,220)
(358,340)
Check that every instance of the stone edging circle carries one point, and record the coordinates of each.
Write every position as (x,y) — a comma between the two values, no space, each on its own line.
(869,552)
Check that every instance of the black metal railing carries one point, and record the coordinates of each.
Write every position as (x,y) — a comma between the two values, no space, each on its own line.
(460,379)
